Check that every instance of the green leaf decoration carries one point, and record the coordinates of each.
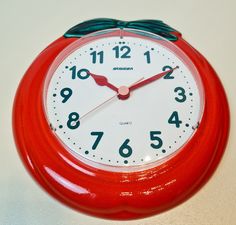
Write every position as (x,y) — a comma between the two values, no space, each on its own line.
(153,26)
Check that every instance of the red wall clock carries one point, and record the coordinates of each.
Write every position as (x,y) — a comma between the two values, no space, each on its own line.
(121,120)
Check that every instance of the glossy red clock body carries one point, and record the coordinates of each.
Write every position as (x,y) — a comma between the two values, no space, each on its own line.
(117,195)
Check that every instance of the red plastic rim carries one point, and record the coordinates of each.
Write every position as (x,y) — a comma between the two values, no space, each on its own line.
(108,194)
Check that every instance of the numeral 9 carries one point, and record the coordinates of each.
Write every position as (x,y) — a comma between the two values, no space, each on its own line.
(66,94)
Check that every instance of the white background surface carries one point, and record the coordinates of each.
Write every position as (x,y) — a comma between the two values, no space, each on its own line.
(27,27)
(131,110)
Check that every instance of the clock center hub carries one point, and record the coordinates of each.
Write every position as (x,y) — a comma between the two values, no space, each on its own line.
(123,92)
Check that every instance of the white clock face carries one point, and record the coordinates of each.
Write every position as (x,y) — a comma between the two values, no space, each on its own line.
(150,124)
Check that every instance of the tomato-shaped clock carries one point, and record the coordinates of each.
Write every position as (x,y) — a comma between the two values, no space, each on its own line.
(121,120)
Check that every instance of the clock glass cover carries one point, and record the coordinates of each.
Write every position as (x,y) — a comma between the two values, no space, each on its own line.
(123,123)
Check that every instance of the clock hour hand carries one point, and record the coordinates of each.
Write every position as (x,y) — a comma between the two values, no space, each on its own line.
(151,79)
(103,81)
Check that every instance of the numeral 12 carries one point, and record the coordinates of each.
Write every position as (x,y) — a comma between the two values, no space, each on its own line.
(122,52)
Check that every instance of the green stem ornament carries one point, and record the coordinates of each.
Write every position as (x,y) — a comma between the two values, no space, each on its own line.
(152,26)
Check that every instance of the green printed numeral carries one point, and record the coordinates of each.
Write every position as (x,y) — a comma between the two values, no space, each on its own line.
(155,136)
(66,94)
(99,135)
(125,150)
(122,52)
(81,74)
(174,119)
(181,93)
(73,120)
(97,57)
(168,75)
(148,56)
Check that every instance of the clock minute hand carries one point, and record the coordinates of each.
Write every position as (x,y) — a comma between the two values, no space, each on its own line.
(151,79)
(103,81)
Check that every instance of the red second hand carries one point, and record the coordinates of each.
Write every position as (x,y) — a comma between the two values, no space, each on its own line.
(94,109)
(108,100)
